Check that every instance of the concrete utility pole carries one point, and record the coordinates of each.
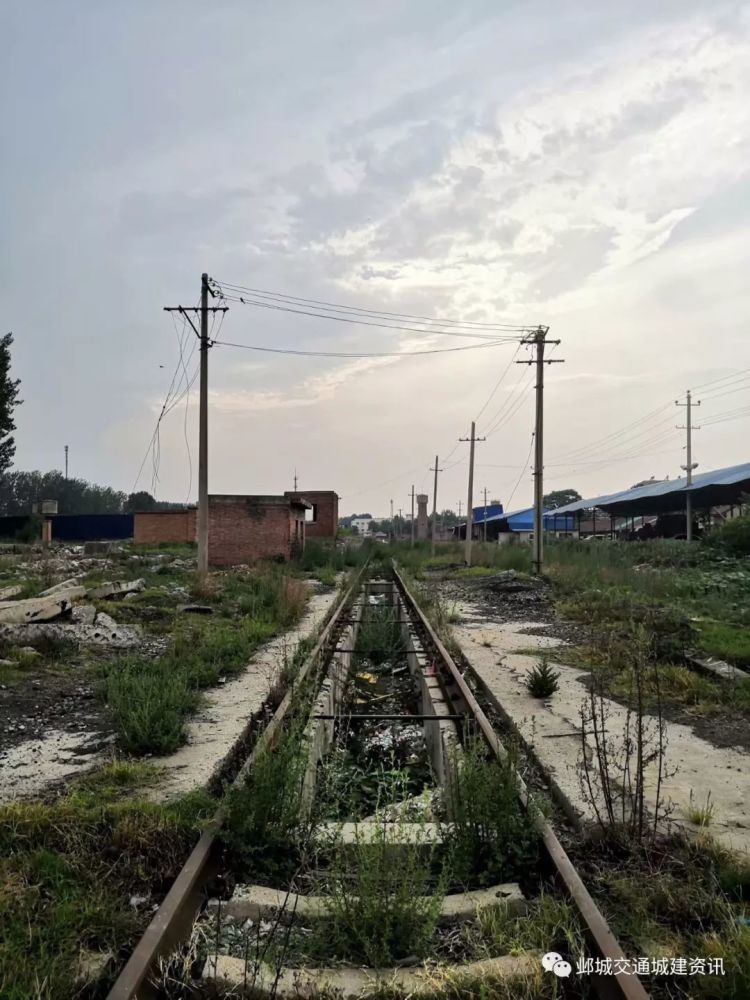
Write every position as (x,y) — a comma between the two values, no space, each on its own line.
(539,341)
(459,509)
(688,426)
(66,461)
(393,526)
(202,335)
(485,513)
(469,505)
(400,523)
(412,516)
(434,504)
(295,480)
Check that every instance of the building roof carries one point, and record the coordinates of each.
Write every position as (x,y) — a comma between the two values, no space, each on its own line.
(708,489)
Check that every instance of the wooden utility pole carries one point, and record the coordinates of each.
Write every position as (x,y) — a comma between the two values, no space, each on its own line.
(412,516)
(469,505)
(539,341)
(202,335)
(434,504)
(688,426)
(485,513)
(203,435)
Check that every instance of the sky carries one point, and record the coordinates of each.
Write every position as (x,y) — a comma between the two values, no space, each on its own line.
(578,165)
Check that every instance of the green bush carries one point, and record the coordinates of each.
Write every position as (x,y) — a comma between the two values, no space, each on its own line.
(264,815)
(382,901)
(492,838)
(542,681)
(732,536)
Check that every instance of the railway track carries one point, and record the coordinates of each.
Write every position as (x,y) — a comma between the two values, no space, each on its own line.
(420,705)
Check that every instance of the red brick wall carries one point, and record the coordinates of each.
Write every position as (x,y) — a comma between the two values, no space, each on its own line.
(245,529)
(152,527)
(326,504)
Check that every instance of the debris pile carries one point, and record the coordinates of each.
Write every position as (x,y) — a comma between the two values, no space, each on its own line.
(54,614)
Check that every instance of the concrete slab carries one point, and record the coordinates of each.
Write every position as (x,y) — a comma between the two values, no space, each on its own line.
(352,984)
(552,728)
(258,902)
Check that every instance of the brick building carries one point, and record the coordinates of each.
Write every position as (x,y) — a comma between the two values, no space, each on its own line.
(324,519)
(155,526)
(243,529)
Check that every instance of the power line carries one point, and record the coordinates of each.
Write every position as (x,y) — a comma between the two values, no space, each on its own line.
(369,322)
(525,467)
(359,310)
(497,384)
(345,354)
(722,378)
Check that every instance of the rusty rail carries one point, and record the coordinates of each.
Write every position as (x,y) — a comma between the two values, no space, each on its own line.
(173,921)
(621,986)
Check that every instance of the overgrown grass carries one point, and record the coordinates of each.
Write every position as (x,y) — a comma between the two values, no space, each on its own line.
(382,901)
(151,699)
(68,871)
(491,837)
(265,826)
(677,897)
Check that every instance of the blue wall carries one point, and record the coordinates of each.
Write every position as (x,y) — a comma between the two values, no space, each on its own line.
(91,527)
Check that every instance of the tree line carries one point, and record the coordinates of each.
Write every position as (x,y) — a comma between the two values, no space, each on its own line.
(20,493)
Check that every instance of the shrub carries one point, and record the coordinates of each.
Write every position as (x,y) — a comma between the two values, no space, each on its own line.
(382,902)
(732,536)
(264,816)
(542,681)
(492,838)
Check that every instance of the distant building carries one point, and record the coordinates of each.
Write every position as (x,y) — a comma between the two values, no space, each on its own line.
(362,524)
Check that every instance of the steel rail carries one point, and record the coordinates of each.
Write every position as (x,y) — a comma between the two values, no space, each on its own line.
(620,985)
(173,920)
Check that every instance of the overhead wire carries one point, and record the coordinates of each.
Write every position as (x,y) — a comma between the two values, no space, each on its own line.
(523,471)
(378,313)
(353,354)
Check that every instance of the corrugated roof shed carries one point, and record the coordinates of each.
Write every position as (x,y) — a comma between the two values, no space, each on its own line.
(708,489)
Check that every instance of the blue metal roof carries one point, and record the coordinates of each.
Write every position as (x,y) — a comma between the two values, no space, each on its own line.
(709,488)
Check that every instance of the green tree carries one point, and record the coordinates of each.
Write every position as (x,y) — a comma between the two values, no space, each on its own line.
(142,500)
(8,402)
(559,498)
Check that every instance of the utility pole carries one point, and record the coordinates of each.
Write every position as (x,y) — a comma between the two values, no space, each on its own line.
(400,523)
(434,504)
(459,509)
(688,426)
(485,513)
(202,335)
(412,516)
(295,480)
(469,505)
(66,461)
(393,526)
(539,341)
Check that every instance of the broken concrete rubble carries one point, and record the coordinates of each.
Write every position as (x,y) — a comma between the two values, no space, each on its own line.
(116,588)
(8,593)
(36,609)
(101,631)
(59,589)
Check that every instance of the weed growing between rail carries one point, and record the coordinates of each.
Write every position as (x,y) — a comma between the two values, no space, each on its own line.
(490,838)
(68,872)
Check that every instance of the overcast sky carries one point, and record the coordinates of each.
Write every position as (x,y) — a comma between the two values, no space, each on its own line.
(582,165)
